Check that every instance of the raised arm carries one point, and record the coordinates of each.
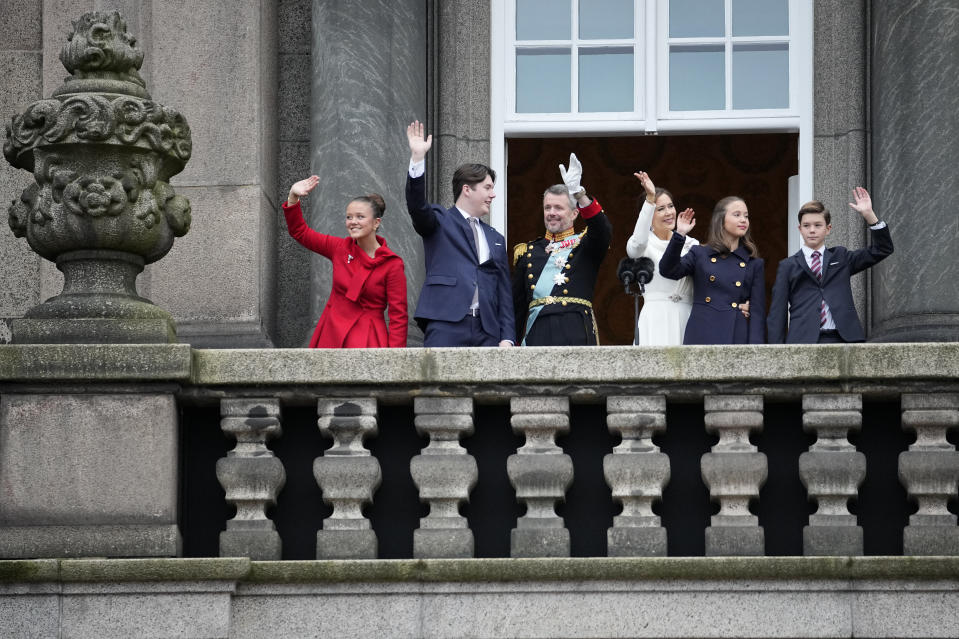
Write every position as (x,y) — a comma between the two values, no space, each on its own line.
(297,226)
(421,212)
(419,144)
(881,246)
(636,244)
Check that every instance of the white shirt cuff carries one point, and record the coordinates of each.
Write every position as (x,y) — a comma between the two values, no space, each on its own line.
(417,168)
(878,225)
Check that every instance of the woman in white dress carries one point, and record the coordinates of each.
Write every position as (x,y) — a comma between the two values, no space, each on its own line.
(667,303)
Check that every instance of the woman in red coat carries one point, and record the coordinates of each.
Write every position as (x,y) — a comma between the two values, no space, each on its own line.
(368,277)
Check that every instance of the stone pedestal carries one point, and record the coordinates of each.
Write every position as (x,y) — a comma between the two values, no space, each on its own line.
(914,143)
(88,475)
(348,475)
(252,478)
(930,472)
(540,472)
(734,471)
(636,471)
(444,474)
(832,471)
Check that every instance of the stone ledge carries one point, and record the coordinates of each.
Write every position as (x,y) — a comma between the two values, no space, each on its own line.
(241,569)
(874,363)
(48,363)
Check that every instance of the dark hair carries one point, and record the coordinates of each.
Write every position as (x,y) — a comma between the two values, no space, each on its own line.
(717,232)
(470,174)
(375,200)
(815,206)
(561,189)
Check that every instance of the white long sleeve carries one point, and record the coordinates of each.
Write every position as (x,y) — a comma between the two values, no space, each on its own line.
(636,244)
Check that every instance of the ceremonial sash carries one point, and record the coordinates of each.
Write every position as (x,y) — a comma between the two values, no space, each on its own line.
(545,283)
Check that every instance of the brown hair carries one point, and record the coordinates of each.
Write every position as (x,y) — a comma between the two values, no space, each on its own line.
(375,200)
(470,174)
(717,232)
(815,206)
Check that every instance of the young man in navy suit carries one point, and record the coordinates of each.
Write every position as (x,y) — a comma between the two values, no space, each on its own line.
(813,285)
(466,298)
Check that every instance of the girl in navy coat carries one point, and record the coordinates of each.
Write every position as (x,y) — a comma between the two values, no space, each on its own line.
(726,272)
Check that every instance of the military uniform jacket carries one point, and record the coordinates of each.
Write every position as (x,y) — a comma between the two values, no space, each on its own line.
(721,282)
(568,319)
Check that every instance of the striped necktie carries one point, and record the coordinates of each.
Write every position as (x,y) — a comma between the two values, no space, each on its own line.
(817,271)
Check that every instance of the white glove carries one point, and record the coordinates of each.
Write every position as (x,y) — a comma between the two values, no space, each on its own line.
(573,175)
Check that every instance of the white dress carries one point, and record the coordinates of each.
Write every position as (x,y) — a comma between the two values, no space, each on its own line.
(667,303)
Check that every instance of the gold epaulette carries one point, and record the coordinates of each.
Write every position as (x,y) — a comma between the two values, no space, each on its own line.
(518,251)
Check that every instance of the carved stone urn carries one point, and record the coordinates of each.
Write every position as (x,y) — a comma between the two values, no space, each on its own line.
(101,206)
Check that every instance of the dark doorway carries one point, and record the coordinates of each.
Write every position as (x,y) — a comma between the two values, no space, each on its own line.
(698,169)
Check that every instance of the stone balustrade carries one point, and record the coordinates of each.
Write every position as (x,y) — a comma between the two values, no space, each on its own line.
(449,404)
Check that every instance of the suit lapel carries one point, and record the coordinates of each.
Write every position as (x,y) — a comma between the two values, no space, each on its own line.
(800,258)
(467,232)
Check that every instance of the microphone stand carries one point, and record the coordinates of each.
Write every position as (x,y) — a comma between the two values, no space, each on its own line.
(641,290)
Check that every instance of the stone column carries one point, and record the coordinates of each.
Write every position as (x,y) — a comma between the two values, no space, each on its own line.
(444,474)
(734,471)
(369,82)
(832,471)
(540,472)
(348,476)
(930,472)
(252,478)
(636,471)
(915,140)
(839,143)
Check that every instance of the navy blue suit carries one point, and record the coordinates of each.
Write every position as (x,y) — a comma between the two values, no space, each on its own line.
(721,282)
(799,291)
(453,271)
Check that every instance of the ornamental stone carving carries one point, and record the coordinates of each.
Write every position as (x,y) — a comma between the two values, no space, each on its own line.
(101,206)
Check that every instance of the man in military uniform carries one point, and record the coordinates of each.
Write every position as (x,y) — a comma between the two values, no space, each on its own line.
(554,275)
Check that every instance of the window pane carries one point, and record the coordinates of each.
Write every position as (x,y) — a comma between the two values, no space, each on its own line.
(605,19)
(542,81)
(543,20)
(697,78)
(761,76)
(606,79)
(697,19)
(760,17)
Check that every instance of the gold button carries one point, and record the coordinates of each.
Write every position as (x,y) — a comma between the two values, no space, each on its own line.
(708,299)
(585,312)
(530,276)
(739,283)
(569,266)
(734,304)
(565,292)
(742,265)
(529,247)
(532,286)
(529,255)
(529,265)
(566,279)
(712,259)
(712,278)
(564,302)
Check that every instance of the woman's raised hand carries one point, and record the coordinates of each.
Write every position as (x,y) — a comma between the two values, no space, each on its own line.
(302,189)
(648,185)
(685,222)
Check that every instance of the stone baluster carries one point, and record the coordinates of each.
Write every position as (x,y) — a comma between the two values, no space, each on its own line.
(252,478)
(444,474)
(734,471)
(832,471)
(930,472)
(636,471)
(540,472)
(348,476)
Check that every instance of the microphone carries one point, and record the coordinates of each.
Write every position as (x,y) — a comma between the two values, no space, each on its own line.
(643,269)
(625,272)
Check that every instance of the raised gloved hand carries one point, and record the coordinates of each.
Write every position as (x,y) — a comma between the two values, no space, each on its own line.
(572,175)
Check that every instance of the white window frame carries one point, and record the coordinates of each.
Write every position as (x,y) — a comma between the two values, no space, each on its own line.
(651,115)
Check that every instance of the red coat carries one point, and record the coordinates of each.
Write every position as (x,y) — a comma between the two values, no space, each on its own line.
(363,287)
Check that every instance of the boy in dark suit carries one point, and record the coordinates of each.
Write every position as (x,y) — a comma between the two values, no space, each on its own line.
(466,298)
(813,284)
